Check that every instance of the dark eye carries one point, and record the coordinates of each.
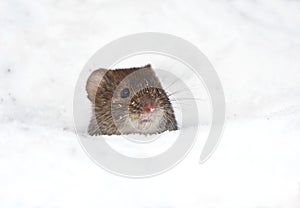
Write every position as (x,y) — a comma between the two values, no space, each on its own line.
(125,93)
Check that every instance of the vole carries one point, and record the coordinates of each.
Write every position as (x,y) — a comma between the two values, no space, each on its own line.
(129,100)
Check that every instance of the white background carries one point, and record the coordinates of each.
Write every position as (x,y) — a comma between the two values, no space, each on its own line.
(254,47)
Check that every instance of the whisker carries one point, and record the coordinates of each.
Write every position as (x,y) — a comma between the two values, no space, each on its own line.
(182,90)
(172,83)
(188,99)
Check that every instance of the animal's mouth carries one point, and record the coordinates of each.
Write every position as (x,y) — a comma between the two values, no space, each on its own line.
(145,120)
(152,118)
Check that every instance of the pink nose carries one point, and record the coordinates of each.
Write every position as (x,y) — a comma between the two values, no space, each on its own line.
(149,108)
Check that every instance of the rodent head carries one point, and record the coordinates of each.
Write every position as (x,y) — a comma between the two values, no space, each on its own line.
(129,101)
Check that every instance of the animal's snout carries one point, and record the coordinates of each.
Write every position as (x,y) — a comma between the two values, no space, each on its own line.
(149,107)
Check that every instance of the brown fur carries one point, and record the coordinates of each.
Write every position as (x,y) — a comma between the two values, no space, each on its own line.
(110,111)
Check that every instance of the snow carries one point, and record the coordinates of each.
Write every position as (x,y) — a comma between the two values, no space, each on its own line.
(253,45)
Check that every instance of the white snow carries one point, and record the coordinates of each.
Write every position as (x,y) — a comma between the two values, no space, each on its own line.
(253,45)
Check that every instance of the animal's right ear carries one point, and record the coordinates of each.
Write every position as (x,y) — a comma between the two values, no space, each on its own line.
(93,82)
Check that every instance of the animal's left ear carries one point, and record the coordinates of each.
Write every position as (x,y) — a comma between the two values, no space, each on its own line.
(93,82)
(148,68)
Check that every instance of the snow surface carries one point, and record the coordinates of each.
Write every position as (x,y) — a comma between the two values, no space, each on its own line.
(255,48)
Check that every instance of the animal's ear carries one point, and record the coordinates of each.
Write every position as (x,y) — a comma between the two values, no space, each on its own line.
(148,66)
(93,82)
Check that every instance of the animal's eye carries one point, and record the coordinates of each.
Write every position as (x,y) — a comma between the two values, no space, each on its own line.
(125,93)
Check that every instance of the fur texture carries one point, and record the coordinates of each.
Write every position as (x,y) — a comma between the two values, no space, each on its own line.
(114,113)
